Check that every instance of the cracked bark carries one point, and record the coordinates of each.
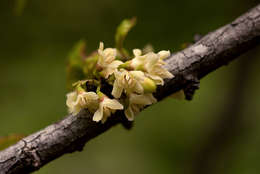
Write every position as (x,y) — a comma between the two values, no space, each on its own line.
(214,50)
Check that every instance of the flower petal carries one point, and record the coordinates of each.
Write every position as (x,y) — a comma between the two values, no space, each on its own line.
(129,114)
(109,54)
(138,88)
(110,68)
(151,98)
(112,104)
(157,79)
(91,95)
(103,120)
(74,110)
(164,54)
(117,89)
(71,98)
(137,52)
(146,99)
(138,75)
(115,64)
(98,114)
(152,59)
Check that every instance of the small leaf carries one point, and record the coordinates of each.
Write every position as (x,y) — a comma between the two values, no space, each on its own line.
(75,64)
(122,30)
(77,55)
(90,68)
(6,141)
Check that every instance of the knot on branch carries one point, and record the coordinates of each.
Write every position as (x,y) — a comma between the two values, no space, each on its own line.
(128,125)
(31,155)
(192,85)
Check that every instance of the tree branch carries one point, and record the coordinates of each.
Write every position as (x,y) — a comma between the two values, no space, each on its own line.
(70,134)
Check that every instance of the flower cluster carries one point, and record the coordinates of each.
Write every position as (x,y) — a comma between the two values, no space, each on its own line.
(119,83)
(111,79)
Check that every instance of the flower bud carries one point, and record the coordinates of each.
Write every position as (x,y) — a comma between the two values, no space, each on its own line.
(164,54)
(148,85)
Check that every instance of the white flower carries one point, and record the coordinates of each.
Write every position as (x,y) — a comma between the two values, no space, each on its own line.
(106,107)
(106,60)
(156,71)
(152,64)
(79,100)
(138,61)
(106,56)
(110,68)
(127,81)
(147,84)
(136,78)
(137,52)
(138,102)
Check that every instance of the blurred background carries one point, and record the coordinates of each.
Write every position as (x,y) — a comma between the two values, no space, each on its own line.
(217,132)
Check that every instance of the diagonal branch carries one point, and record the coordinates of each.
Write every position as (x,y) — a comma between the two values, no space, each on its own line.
(70,134)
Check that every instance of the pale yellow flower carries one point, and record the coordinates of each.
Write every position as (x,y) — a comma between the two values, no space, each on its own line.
(106,107)
(127,81)
(79,100)
(152,64)
(106,56)
(110,68)
(106,60)
(137,103)
(138,61)
(147,84)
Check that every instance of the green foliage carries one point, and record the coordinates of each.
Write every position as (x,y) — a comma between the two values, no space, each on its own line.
(80,66)
(90,70)
(121,33)
(6,141)
(75,64)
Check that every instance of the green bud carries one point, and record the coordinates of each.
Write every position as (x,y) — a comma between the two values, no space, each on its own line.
(79,89)
(140,68)
(148,85)
(100,94)
(125,65)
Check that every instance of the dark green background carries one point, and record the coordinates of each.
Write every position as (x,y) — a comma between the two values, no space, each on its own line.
(167,136)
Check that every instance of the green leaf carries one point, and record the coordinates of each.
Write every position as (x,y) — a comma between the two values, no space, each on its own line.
(122,30)
(90,68)
(6,141)
(76,63)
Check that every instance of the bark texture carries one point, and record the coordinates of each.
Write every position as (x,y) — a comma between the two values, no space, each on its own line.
(70,134)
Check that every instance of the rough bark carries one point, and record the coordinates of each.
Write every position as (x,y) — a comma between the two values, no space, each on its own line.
(209,53)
